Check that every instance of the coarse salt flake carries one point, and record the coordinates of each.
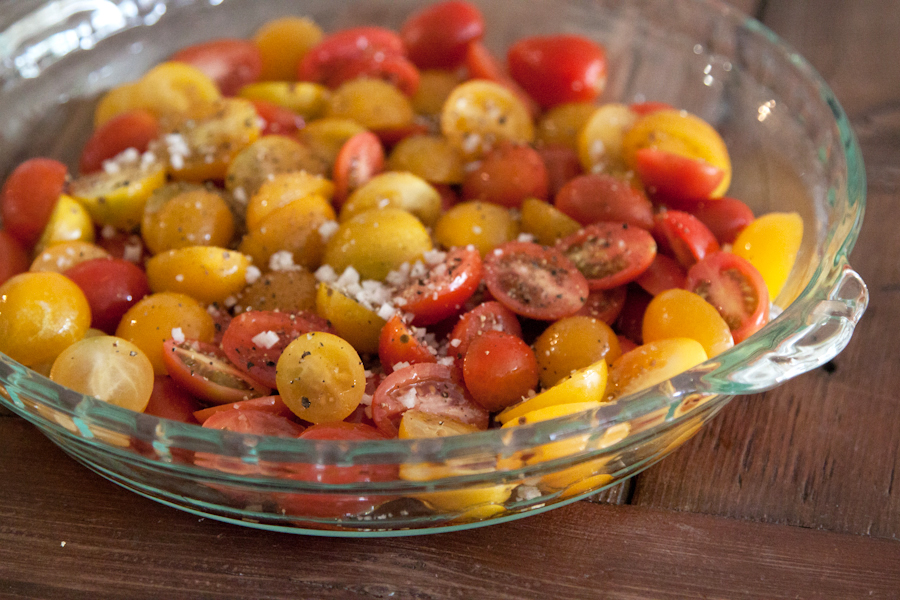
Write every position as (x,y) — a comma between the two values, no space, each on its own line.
(178,335)
(252,275)
(265,339)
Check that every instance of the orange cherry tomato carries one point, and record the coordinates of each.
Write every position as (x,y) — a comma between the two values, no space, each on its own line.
(132,129)
(556,69)
(499,370)
(230,63)
(609,253)
(29,196)
(438,36)
(602,197)
(398,344)
(445,289)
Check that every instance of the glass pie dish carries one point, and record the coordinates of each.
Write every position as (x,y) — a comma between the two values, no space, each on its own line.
(792,148)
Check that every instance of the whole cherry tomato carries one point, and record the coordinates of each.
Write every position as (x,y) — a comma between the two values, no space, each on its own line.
(671,177)
(230,63)
(487,316)
(13,257)
(132,129)
(438,36)
(508,175)
(111,286)
(664,273)
(499,370)
(171,401)
(726,217)
(558,68)
(29,196)
(601,197)
(359,160)
(562,165)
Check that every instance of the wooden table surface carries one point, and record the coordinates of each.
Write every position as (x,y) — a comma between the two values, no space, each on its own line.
(787,494)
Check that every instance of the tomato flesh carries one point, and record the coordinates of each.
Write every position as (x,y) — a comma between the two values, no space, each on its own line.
(205,371)
(610,254)
(399,345)
(443,291)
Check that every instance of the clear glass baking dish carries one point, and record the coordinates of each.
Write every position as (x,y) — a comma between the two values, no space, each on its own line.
(792,148)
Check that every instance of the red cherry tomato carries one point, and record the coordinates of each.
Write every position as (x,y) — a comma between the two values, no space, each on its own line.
(111,286)
(393,68)
(257,422)
(359,160)
(672,177)
(664,273)
(499,369)
(598,197)
(685,236)
(254,357)
(13,257)
(605,305)
(391,137)
(398,344)
(29,196)
(482,64)
(735,288)
(725,217)
(205,371)
(347,53)
(231,63)
(171,401)
(269,404)
(445,289)
(610,254)
(631,319)
(508,175)
(650,106)
(124,245)
(438,36)
(132,129)
(535,281)
(558,68)
(562,165)
(426,387)
(487,316)
(278,119)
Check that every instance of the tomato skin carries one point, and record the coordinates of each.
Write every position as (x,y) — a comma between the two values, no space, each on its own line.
(610,254)
(270,404)
(259,362)
(255,422)
(725,217)
(649,106)
(393,68)
(437,37)
(558,68)
(446,288)
(598,197)
(665,273)
(111,286)
(672,177)
(132,129)
(14,258)
(482,64)
(499,370)
(278,119)
(432,389)
(487,316)
(562,165)
(170,401)
(605,305)
(688,239)
(735,288)
(535,281)
(205,371)
(28,197)
(231,63)
(508,175)
(398,344)
(631,319)
(359,160)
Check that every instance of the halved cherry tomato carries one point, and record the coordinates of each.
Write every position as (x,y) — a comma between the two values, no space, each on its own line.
(671,177)
(726,217)
(230,63)
(562,165)
(507,175)
(535,281)
(438,36)
(111,286)
(631,319)
(602,197)
(205,371)
(499,370)
(445,289)
(487,316)
(122,244)
(348,54)
(269,404)
(664,273)
(558,68)
(257,422)
(278,119)
(398,344)
(426,387)
(168,400)
(482,64)
(688,239)
(132,129)
(252,354)
(649,106)
(610,254)
(28,197)
(735,288)
(14,258)
(360,159)
(605,305)
(392,68)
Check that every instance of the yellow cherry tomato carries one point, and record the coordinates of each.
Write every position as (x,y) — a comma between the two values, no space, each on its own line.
(653,363)
(305,98)
(584,385)
(479,113)
(106,367)
(600,140)
(68,222)
(326,136)
(268,157)
(395,189)
(771,243)
(416,424)
(64,255)
(373,103)
(431,157)
(320,377)
(681,133)
(377,242)
(481,224)
(562,124)
(41,314)
(682,314)
(117,198)
(354,322)
(292,290)
(551,412)
(158,317)
(282,43)
(283,188)
(197,217)
(206,273)
(573,343)
(435,86)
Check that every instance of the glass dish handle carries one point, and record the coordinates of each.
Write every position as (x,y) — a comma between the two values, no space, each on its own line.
(815,337)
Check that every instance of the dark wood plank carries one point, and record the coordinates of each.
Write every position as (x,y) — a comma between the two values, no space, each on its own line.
(821,451)
(99,541)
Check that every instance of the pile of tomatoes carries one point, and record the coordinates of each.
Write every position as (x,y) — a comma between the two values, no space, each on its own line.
(376,233)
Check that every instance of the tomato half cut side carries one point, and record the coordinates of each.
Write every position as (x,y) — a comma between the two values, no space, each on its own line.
(269,404)
(445,289)
(359,160)
(203,370)
(426,387)
(230,62)
(605,305)
(735,288)
(610,254)
(535,281)
(399,345)
(278,119)
(438,36)
(688,239)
